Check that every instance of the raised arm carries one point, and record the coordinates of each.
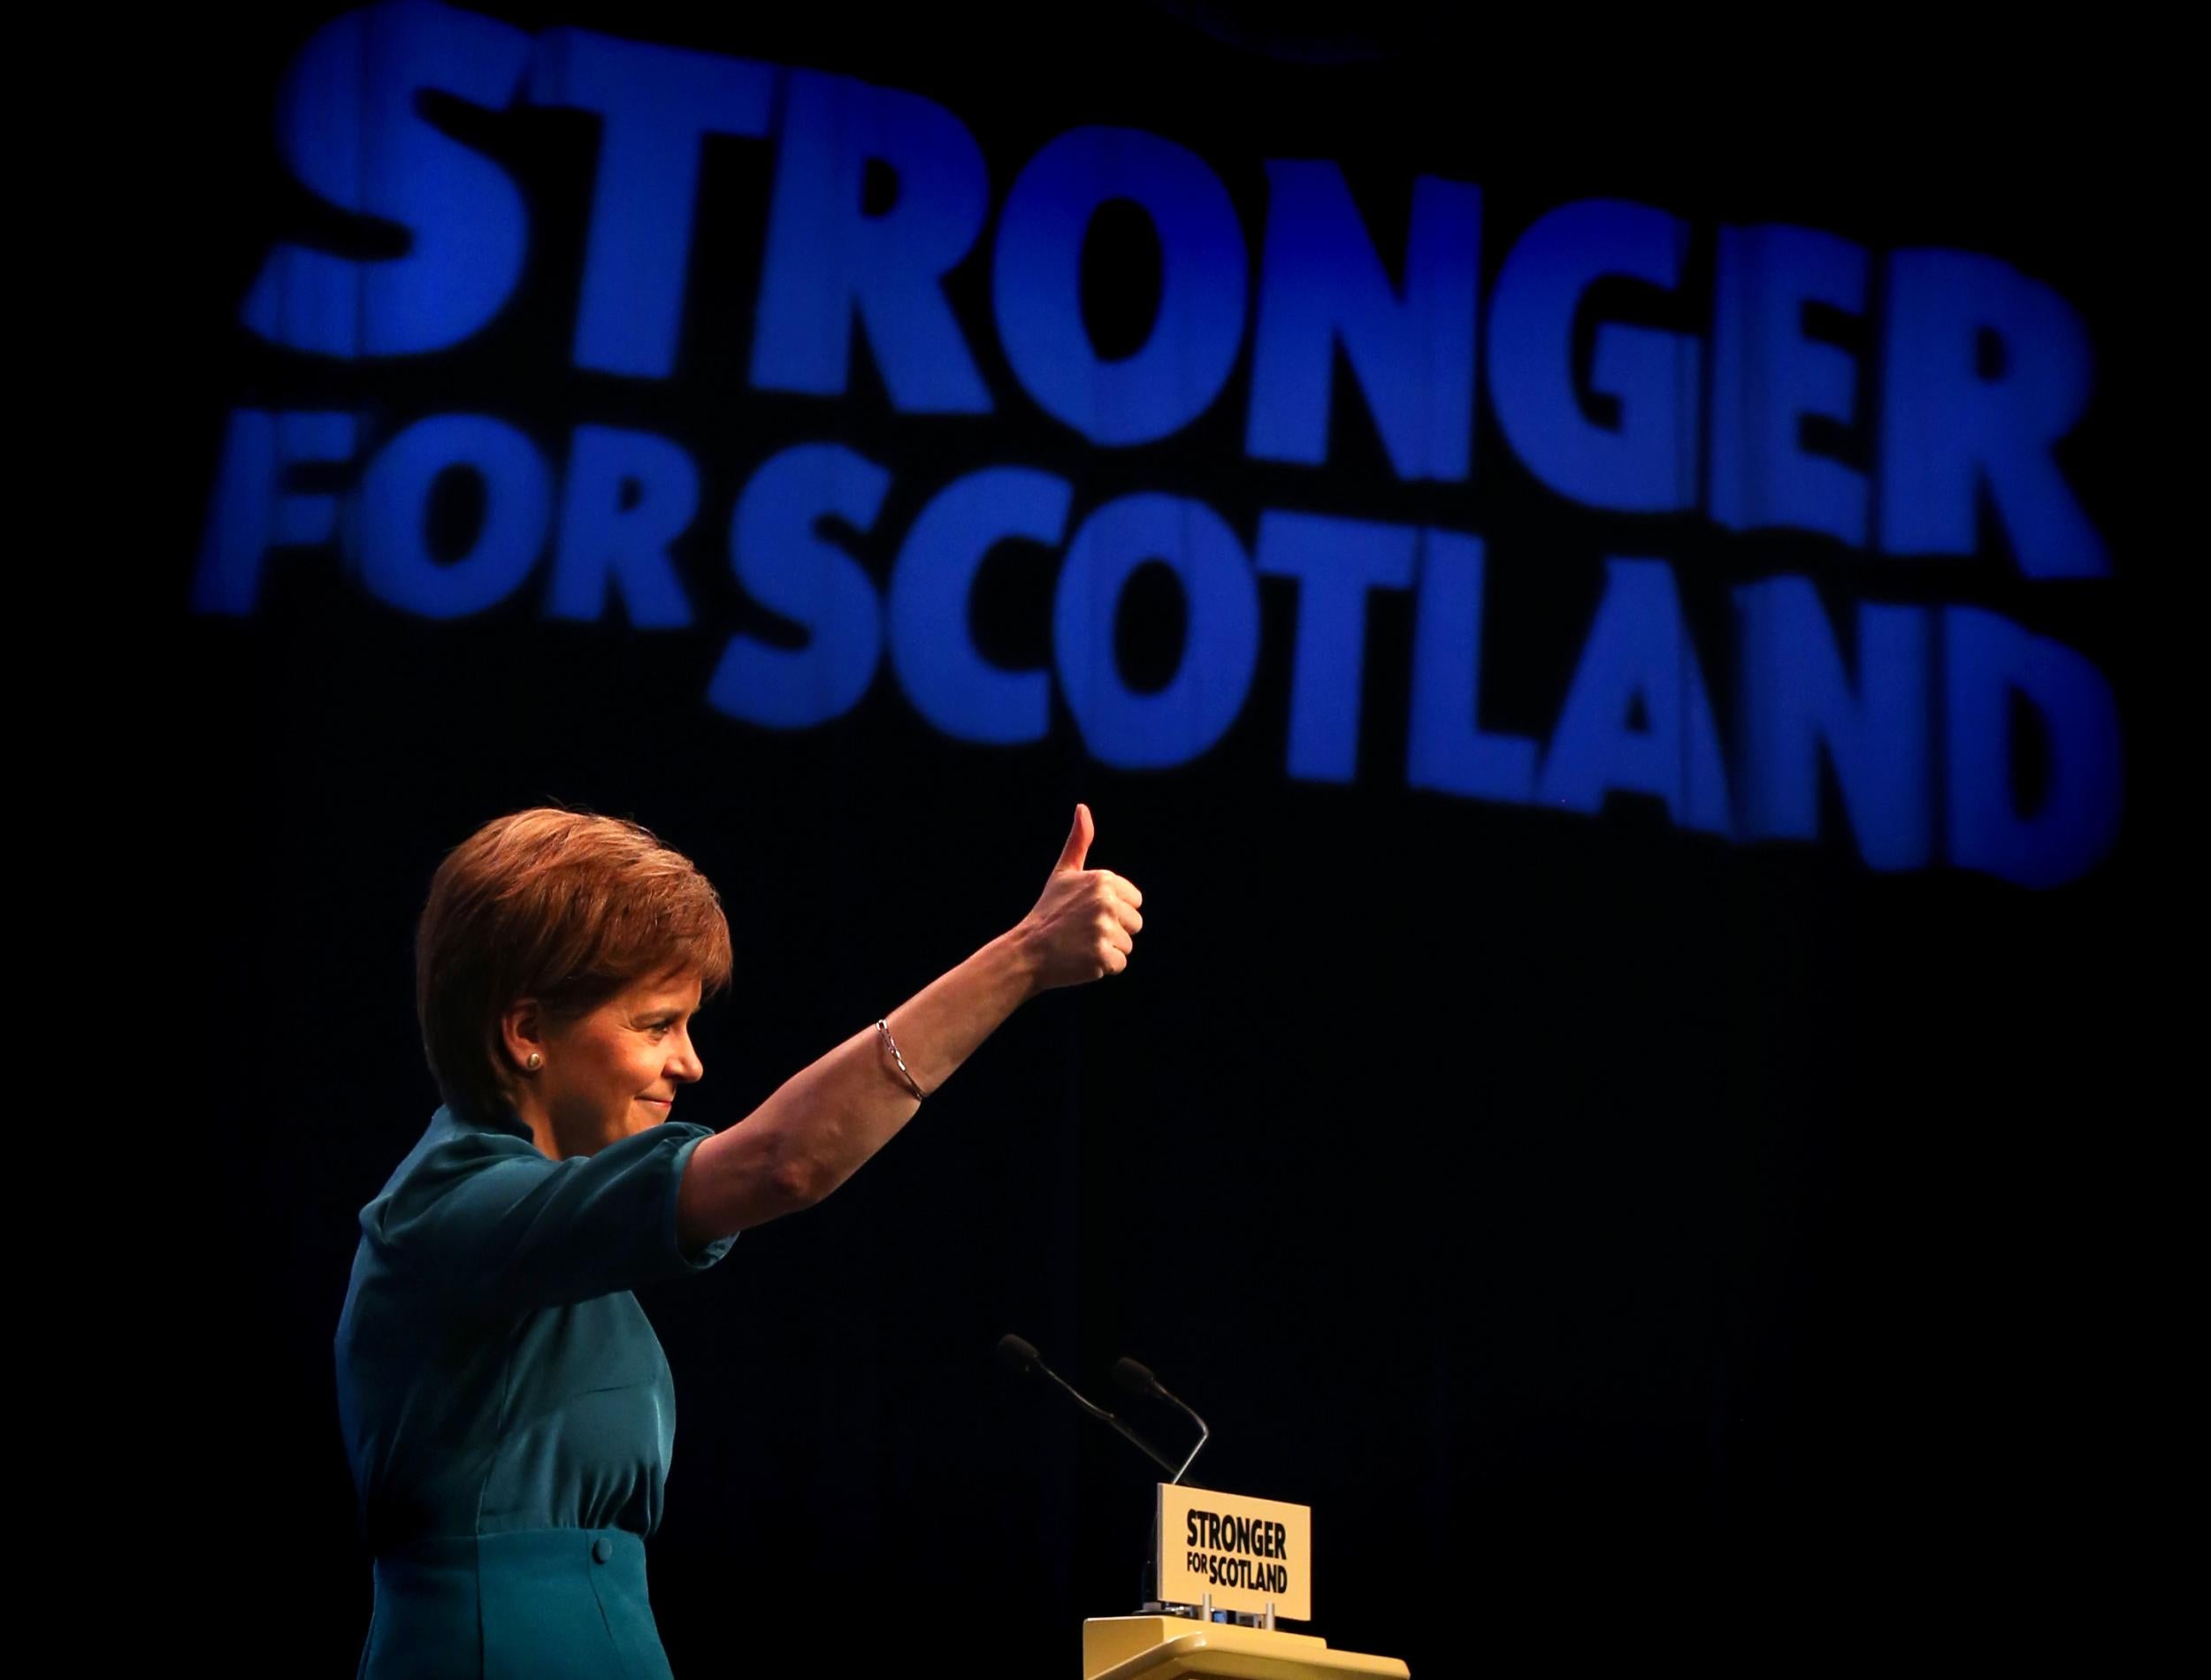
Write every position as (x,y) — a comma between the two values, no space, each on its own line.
(828,1117)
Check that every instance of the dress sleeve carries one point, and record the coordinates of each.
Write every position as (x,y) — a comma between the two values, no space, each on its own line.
(486,1218)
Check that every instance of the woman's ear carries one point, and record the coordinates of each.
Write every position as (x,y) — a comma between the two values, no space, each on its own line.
(522,1035)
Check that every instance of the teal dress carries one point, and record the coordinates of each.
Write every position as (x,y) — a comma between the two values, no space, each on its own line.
(506,1408)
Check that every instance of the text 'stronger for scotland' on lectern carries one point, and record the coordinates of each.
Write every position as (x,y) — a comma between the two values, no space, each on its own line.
(1226,1567)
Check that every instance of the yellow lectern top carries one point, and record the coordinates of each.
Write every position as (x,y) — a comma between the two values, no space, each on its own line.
(1169,1647)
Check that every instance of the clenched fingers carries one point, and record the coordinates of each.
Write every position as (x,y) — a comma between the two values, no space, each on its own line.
(1121,887)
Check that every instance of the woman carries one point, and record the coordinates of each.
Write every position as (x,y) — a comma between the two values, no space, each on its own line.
(506,1408)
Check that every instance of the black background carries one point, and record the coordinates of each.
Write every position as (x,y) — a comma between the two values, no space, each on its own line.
(1618,1236)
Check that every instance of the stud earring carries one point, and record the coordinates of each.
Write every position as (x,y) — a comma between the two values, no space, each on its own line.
(535,1062)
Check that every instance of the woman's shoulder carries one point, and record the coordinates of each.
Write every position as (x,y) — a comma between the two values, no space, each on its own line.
(452,1149)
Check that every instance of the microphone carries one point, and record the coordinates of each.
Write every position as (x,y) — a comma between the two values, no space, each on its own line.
(1023,1357)
(1138,1379)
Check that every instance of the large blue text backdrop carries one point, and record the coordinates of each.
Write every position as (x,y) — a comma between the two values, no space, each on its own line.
(1596,623)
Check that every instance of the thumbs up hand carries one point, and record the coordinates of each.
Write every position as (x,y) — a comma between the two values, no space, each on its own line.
(1085,924)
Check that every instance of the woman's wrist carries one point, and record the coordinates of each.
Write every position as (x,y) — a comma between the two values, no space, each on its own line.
(1016,953)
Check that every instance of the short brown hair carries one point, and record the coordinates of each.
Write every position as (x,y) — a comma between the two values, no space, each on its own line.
(563,906)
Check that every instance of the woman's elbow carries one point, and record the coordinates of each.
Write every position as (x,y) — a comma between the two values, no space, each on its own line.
(744,1188)
(793,1185)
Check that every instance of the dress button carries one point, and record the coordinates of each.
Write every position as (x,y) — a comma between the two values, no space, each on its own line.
(602,1549)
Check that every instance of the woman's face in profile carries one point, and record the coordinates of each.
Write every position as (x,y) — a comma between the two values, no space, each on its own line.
(617,1070)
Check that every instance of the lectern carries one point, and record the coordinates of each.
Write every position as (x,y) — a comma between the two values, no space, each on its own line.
(1226,1565)
(1167,1647)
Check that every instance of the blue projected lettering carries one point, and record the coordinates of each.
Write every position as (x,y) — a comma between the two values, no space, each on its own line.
(656,103)
(791,569)
(1953,428)
(948,681)
(1796,699)
(1987,661)
(1037,285)
(348,126)
(1639,653)
(1447,749)
(1767,376)
(396,564)
(1335,562)
(829,261)
(254,510)
(627,495)
(1951,735)
(1646,462)
(1321,284)
(1220,648)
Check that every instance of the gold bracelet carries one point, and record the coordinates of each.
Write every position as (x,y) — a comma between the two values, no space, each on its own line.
(884,1026)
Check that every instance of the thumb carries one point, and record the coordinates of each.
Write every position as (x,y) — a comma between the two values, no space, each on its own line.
(1078,845)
